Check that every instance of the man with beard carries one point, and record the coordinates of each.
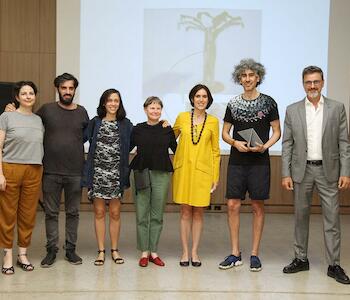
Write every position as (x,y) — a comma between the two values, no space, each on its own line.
(249,164)
(316,153)
(64,123)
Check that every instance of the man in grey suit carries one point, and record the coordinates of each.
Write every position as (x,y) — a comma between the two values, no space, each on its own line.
(316,152)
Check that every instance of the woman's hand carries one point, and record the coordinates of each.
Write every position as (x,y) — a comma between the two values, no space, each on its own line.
(2,182)
(165,123)
(10,107)
(213,187)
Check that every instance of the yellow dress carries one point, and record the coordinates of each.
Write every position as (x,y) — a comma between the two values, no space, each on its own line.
(196,167)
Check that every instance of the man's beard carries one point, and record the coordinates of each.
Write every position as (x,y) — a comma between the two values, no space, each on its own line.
(313,94)
(66,101)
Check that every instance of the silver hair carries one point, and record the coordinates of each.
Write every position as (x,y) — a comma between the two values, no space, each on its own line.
(248,64)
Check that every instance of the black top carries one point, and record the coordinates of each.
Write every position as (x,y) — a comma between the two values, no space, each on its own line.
(63,139)
(245,114)
(152,142)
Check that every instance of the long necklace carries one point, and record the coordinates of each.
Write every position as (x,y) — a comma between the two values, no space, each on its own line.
(200,133)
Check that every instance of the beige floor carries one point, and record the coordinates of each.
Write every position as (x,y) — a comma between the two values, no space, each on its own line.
(128,281)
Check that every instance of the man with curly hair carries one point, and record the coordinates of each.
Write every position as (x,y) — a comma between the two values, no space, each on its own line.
(249,164)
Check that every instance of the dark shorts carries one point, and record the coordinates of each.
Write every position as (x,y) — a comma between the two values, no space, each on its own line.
(254,179)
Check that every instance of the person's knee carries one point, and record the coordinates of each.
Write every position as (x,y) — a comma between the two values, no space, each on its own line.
(198,214)
(186,213)
(258,208)
(233,206)
(100,213)
(114,215)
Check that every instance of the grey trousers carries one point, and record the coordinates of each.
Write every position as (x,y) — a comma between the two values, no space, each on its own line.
(328,192)
(53,185)
(150,204)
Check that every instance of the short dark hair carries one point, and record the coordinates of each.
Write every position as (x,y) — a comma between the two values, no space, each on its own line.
(194,91)
(312,69)
(153,99)
(101,109)
(63,78)
(17,87)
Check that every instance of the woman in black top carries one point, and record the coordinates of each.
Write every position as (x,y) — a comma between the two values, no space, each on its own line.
(152,168)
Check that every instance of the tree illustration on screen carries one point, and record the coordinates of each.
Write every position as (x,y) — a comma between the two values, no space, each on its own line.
(212,26)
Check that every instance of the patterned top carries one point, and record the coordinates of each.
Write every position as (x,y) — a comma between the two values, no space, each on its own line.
(245,114)
(106,181)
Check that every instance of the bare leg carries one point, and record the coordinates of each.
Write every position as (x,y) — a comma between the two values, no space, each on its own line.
(185,229)
(197,226)
(258,224)
(114,225)
(8,260)
(100,224)
(233,210)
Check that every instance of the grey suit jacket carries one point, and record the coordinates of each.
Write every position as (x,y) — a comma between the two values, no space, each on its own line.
(335,141)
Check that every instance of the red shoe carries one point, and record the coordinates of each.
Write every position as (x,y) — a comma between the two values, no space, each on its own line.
(157,261)
(143,262)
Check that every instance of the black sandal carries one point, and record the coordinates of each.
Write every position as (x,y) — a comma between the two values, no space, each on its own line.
(25,267)
(117,260)
(8,271)
(100,262)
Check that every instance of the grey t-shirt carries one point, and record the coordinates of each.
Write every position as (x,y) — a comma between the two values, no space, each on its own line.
(24,138)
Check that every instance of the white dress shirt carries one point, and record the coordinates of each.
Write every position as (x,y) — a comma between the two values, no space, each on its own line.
(314,119)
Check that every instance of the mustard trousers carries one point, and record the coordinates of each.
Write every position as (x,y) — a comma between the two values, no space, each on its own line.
(18,203)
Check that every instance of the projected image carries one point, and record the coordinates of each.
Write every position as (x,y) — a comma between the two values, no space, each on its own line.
(183,47)
(163,48)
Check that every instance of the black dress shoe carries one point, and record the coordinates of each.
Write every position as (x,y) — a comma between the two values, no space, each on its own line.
(297,265)
(338,274)
(196,263)
(184,263)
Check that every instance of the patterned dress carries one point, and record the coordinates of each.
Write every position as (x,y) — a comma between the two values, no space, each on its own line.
(106,180)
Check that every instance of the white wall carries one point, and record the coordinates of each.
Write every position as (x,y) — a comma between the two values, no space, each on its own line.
(339,52)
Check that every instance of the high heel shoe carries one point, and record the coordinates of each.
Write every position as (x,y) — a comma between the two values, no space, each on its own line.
(100,262)
(25,267)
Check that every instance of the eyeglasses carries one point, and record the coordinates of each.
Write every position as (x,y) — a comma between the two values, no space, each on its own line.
(310,83)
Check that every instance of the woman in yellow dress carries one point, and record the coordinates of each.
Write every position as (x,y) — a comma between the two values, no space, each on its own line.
(196,168)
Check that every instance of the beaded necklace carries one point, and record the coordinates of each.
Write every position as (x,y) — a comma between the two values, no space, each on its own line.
(200,133)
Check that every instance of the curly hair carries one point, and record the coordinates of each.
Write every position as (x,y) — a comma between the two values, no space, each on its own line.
(248,64)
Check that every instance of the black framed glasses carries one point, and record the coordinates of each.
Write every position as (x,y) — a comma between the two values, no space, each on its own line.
(310,83)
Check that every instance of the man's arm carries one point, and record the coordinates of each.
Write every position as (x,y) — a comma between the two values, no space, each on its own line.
(344,151)
(239,145)
(276,134)
(287,148)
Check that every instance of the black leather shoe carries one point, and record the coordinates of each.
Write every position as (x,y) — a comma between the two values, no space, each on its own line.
(297,265)
(338,274)
(184,263)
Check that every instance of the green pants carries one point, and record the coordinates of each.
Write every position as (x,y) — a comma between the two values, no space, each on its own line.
(150,204)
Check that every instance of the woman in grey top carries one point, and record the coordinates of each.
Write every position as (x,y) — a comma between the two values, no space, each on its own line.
(21,153)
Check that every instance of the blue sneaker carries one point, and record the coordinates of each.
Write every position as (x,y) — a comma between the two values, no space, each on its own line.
(231,261)
(255,264)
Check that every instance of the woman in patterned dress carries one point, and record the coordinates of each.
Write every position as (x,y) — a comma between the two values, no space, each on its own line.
(106,169)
